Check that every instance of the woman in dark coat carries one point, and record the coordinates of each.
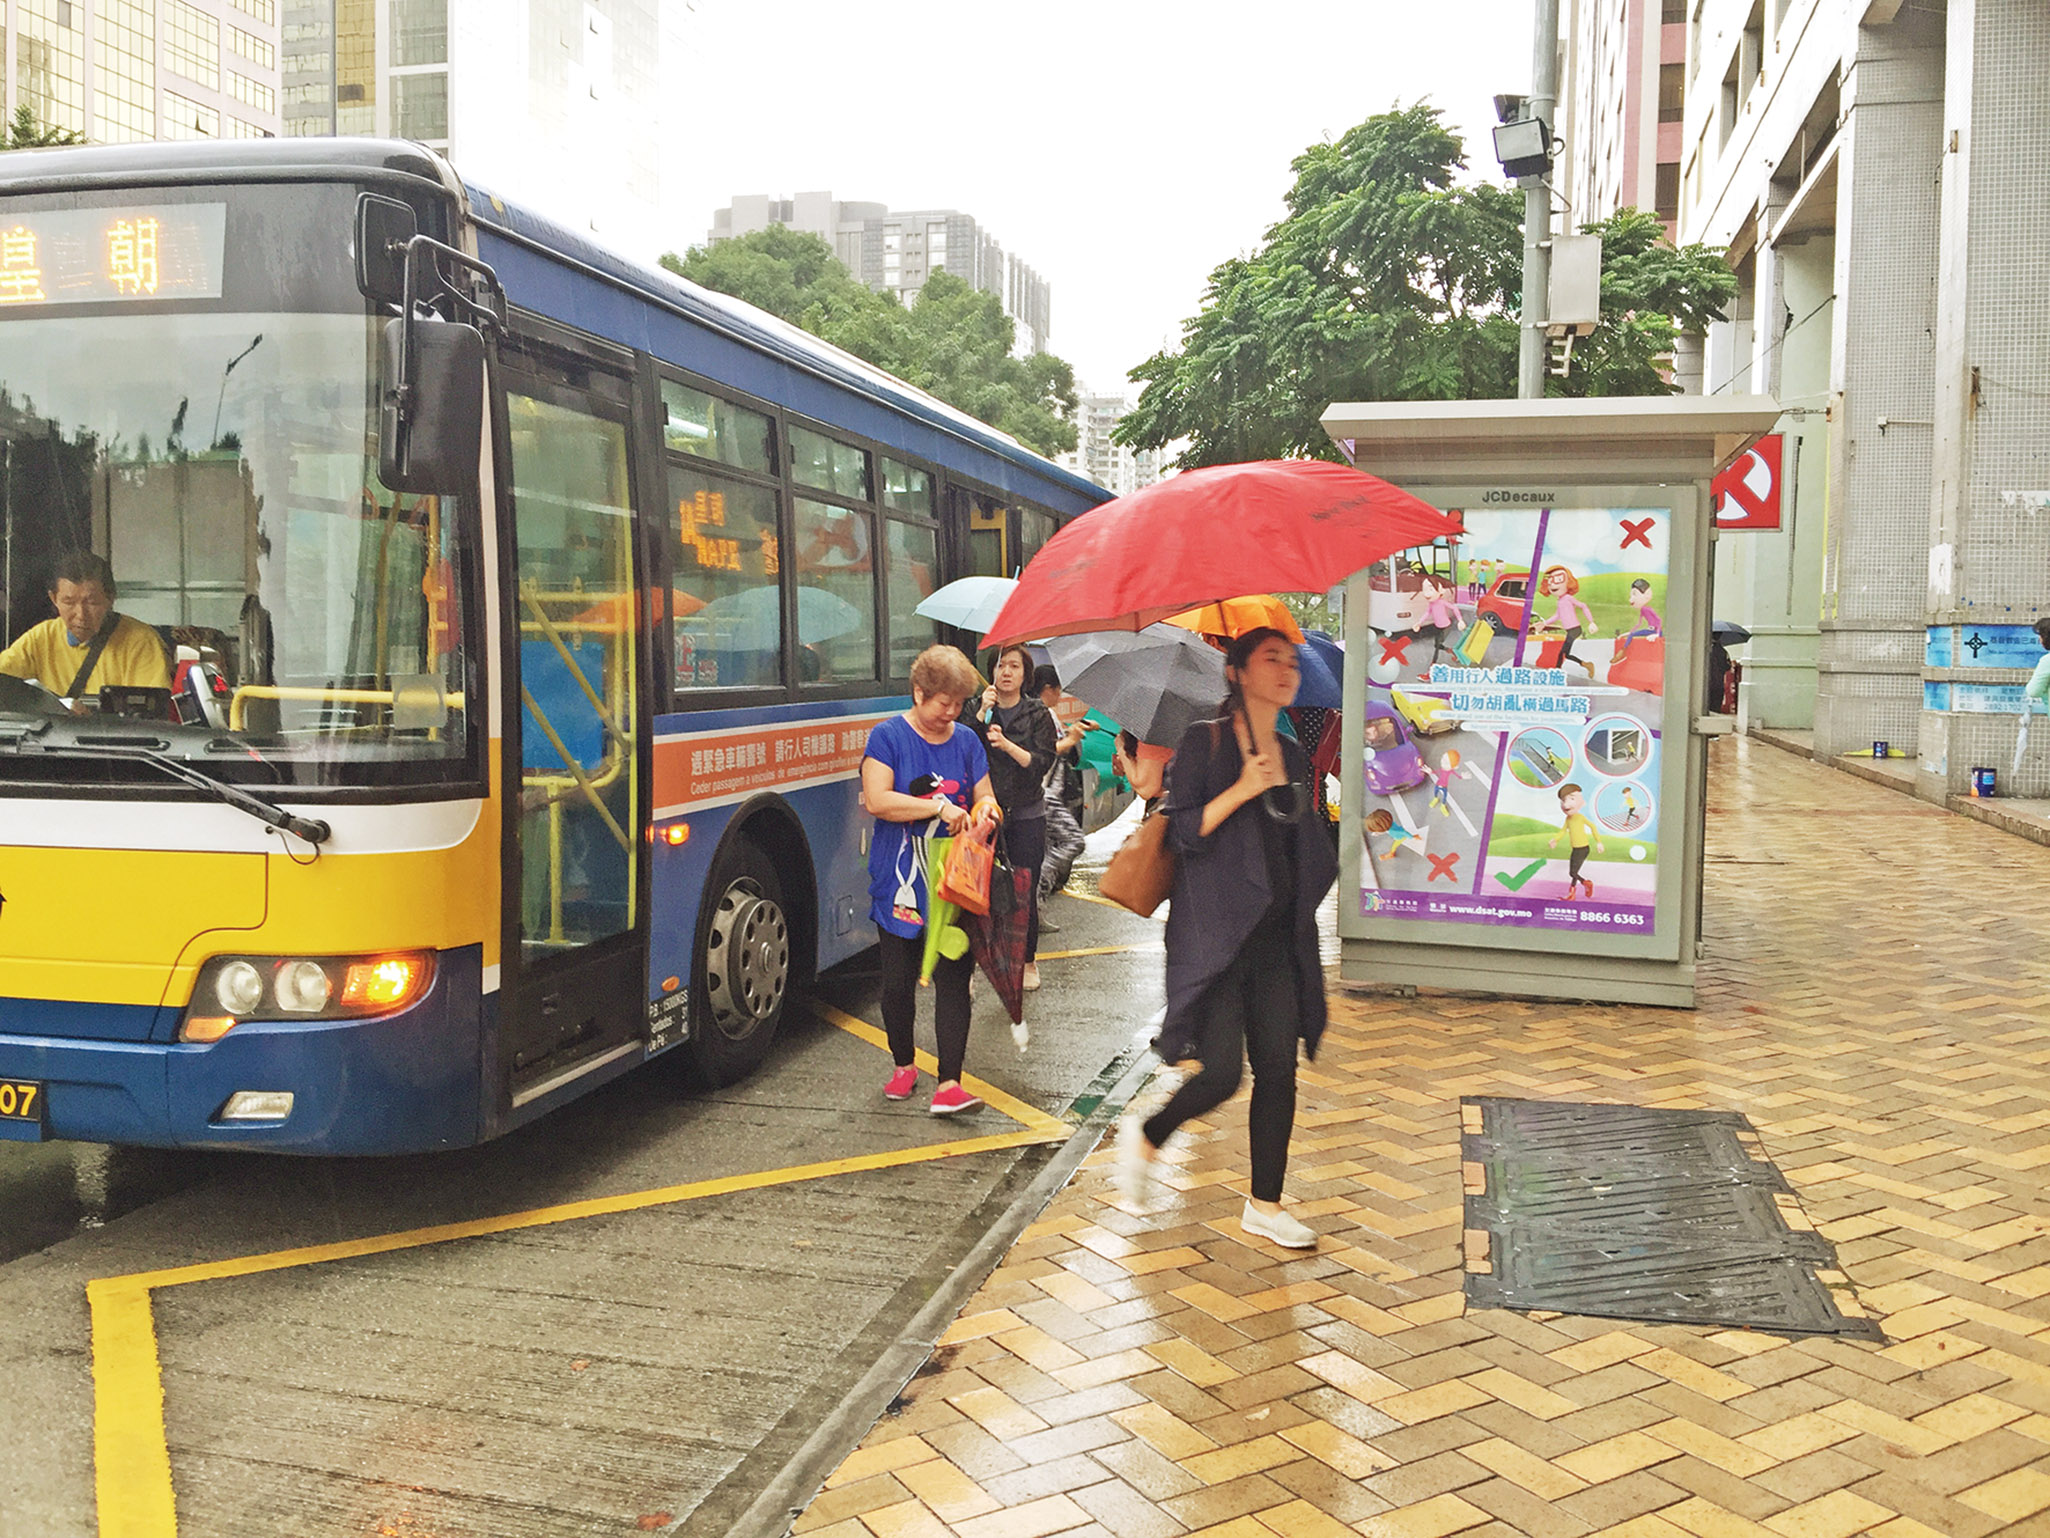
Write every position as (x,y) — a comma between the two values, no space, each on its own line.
(1244,980)
(1020,733)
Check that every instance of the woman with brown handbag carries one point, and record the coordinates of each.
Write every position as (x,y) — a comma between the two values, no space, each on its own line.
(1244,979)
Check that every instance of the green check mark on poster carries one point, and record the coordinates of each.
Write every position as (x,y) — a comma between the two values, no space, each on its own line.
(1515,882)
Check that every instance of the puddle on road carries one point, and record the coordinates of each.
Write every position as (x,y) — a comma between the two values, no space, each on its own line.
(51,1191)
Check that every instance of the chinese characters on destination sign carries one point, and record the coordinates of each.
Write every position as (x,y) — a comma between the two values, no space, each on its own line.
(103,255)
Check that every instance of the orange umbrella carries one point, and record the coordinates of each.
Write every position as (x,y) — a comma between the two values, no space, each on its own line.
(614,608)
(1233,617)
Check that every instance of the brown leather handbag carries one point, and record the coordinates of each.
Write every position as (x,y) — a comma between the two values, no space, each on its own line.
(1141,873)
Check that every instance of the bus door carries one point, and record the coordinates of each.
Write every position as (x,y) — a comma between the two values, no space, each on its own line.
(573,771)
(989,538)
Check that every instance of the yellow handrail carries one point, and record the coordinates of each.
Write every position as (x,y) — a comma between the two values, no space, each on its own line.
(299,693)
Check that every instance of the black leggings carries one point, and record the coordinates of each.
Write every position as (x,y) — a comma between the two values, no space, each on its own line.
(901,961)
(1025,849)
(1249,1012)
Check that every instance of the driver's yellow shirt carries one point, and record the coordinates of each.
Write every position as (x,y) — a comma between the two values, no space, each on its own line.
(134,655)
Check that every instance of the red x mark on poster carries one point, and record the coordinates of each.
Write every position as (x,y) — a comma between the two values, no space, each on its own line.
(1636,531)
(1393,647)
(1446,865)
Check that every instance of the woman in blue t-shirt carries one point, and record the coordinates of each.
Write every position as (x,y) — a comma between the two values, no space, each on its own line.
(922,773)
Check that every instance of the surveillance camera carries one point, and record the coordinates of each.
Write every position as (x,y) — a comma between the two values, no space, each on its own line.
(1509,108)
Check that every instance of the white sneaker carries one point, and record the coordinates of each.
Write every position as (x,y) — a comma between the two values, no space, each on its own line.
(1278,1226)
(1133,1174)
(1021,1033)
(1031,979)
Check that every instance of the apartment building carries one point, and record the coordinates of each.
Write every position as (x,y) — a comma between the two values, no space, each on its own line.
(1111,465)
(1622,107)
(555,102)
(119,71)
(895,251)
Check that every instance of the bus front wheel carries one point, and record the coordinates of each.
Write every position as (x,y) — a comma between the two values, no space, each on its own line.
(744,976)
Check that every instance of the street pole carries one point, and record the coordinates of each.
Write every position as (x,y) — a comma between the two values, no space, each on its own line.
(1537,210)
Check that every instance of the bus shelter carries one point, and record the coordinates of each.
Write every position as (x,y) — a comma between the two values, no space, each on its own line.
(1526,704)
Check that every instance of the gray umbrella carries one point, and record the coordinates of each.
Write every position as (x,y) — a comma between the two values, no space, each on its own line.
(1156,683)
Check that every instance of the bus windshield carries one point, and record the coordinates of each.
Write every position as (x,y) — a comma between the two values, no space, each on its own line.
(295,622)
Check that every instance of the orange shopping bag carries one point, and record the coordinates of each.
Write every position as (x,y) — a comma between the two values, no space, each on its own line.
(965,881)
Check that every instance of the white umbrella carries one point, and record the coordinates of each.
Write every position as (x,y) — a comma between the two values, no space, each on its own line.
(968,603)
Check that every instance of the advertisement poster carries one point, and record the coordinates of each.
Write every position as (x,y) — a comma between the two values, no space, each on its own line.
(1511,735)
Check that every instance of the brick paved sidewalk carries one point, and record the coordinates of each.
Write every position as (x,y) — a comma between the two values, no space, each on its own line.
(1876,998)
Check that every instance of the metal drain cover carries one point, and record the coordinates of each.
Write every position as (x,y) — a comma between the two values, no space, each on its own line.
(1623,1212)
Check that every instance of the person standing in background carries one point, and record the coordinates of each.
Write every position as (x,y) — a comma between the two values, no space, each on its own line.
(1064,780)
(1064,838)
(2038,686)
(1020,733)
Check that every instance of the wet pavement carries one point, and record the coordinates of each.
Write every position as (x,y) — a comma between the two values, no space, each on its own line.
(1874,997)
(655,1311)
(630,1316)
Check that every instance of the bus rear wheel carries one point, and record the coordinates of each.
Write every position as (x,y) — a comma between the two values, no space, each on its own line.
(745,973)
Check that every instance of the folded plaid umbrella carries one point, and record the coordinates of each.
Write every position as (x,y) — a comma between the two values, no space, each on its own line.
(998,941)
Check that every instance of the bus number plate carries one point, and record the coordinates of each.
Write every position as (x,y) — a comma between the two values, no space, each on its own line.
(21,1100)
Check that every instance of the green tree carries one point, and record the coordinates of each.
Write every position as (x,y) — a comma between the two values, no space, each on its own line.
(961,351)
(955,342)
(24,132)
(1387,281)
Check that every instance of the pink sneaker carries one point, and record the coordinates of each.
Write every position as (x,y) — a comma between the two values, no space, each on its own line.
(901,1084)
(953,1100)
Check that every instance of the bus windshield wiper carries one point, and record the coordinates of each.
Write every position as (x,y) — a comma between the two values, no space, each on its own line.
(311,829)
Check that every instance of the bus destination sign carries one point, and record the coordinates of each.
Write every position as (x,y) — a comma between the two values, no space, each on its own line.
(103,255)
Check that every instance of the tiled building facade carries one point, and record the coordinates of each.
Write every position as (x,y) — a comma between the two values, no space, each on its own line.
(1873,168)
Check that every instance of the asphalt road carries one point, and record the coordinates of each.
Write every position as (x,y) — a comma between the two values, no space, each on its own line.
(654,1366)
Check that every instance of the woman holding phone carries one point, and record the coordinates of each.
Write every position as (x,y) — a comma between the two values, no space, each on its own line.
(1019,733)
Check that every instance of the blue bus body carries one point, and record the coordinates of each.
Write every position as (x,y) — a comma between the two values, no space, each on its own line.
(557,932)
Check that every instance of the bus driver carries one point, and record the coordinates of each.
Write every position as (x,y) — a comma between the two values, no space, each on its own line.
(56,652)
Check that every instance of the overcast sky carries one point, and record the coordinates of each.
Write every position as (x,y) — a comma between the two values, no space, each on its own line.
(1123,148)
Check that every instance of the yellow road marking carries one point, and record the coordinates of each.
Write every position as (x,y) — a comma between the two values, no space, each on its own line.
(131,1452)
(1091,897)
(1093,950)
(131,1459)
(989,1094)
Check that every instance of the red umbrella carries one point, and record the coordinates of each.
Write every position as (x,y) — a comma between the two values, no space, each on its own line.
(1274,526)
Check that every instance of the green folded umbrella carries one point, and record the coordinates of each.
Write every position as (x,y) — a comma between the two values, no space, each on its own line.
(943,937)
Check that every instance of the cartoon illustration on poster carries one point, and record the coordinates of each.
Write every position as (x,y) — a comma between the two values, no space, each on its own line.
(1516,676)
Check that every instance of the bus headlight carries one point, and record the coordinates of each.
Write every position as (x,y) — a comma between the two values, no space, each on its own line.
(303,987)
(232,989)
(239,987)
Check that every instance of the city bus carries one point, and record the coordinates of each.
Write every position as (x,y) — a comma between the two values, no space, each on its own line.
(522,614)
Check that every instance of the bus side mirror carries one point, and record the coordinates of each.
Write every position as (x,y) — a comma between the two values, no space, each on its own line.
(384,227)
(431,428)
